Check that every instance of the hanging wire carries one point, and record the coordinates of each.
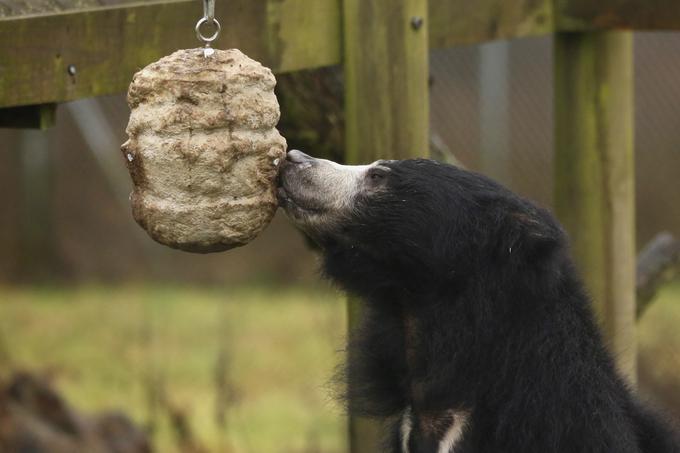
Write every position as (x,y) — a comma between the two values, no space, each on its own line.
(208,18)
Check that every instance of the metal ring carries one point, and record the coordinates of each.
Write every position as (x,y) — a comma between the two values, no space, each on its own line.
(205,20)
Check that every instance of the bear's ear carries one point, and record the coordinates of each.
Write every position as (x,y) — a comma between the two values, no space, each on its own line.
(530,224)
(536,231)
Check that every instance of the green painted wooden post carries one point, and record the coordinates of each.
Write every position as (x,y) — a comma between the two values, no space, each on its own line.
(386,106)
(594,177)
(36,232)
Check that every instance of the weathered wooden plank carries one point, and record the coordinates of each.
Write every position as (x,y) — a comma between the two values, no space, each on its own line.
(386,79)
(581,15)
(594,180)
(10,8)
(386,108)
(303,34)
(454,22)
(106,46)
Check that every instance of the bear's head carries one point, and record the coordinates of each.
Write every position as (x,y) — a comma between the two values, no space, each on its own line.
(417,224)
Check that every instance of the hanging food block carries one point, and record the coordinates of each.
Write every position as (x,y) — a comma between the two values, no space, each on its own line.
(203,149)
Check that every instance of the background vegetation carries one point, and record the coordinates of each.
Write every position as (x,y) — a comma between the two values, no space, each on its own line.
(247,369)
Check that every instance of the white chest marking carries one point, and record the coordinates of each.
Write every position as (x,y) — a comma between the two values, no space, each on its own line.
(449,440)
(454,433)
(406,427)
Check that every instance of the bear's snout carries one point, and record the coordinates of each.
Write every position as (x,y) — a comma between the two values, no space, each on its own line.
(299,184)
(318,193)
(298,157)
(292,169)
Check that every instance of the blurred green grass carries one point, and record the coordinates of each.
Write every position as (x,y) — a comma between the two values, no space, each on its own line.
(659,326)
(120,347)
(659,350)
(129,347)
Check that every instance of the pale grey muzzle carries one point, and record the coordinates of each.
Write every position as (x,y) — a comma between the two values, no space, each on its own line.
(315,193)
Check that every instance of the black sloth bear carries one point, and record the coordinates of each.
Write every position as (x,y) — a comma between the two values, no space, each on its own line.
(478,336)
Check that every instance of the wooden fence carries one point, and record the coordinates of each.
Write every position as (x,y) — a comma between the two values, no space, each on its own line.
(57,56)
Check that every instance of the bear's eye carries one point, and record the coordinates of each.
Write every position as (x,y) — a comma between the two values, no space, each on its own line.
(376,174)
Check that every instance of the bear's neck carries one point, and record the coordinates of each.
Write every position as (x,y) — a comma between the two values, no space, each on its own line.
(443,350)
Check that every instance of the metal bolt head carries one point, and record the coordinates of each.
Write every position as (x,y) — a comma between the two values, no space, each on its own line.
(71,69)
(417,22)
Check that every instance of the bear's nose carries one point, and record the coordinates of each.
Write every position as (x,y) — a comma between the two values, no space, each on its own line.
(298,157)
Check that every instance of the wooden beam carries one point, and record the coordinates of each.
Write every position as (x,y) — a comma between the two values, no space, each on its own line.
(9,8)
(455,22)
(594,180)
(106,45)
(582,15)
(84,53)
(386,108)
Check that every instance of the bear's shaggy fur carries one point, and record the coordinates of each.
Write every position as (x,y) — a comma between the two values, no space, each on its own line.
(478,336)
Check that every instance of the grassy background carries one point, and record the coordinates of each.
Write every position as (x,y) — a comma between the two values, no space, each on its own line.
(135,347)
(132,348)
(659,351)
